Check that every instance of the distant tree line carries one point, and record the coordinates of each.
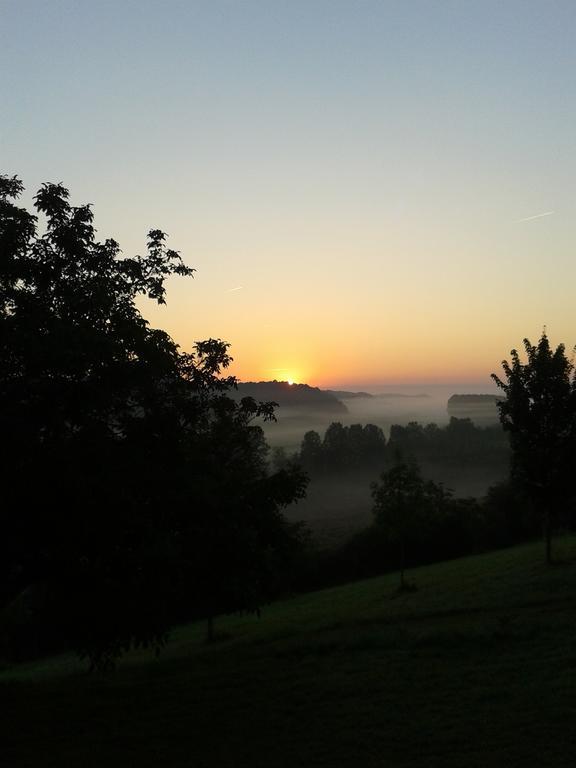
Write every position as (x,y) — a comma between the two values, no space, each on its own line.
(300,397)
(365,447)
(460,440)
(342,447)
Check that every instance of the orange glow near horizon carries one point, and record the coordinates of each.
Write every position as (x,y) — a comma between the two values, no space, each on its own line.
(341,361)
(349,371)
(339,239)
(363,332)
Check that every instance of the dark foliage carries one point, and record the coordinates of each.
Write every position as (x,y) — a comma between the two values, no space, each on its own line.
(134,488)
(298,398)
(405,505)
(342,448)
(459,441)
(539,413)
(428,525)
(365,447)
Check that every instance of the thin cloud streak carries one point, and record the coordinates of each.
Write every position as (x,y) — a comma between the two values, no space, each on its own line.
(238,288)
(538,216)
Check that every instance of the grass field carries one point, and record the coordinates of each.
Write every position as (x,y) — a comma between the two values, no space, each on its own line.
(475,668)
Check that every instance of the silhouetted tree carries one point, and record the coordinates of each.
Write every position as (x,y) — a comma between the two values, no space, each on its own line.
(280,458)
(402,502)
(459,441)
(508,514)
(539,412)
(343,448)
(311,451)
(335,445)
(123,460)
(374,442)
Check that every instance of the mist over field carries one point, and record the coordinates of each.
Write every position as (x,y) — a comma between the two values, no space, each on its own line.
(338,505)
(392,404)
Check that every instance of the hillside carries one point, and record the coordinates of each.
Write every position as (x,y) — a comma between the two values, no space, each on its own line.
(296,396)
(475,668)
(343,394)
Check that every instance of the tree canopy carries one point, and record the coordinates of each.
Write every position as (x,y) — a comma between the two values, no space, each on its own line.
(123,459)
(342,448)
(405,503)
(539,412)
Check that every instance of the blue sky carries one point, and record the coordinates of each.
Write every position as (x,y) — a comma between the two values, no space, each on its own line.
(358,170)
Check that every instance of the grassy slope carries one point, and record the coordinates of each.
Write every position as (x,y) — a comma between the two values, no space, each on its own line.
(476,668)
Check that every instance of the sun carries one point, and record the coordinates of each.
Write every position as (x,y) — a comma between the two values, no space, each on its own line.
(288,375)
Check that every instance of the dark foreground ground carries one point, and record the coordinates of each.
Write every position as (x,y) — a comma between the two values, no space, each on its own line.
(475,668)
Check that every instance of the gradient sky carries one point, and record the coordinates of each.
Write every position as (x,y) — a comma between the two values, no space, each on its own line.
(364,173)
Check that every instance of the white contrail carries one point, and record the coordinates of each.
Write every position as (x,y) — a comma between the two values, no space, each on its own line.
(238,288)
(538,216)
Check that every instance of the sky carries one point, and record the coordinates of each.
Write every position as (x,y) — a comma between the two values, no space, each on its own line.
(372,192)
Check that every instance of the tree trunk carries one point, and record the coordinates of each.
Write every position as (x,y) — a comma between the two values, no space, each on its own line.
(548,533)
(402,583)
(210,630)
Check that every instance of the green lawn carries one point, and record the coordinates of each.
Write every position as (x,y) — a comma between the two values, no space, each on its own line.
(475,668)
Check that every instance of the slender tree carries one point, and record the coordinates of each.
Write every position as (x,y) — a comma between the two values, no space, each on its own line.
(539,412)
(398,500)
(405,505)
(311,451)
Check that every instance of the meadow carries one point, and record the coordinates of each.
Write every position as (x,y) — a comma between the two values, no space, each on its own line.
(476,667)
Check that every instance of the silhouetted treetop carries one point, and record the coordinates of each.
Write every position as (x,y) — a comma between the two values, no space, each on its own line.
(539,413)
(297,396)
(125,464)
(342,448)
